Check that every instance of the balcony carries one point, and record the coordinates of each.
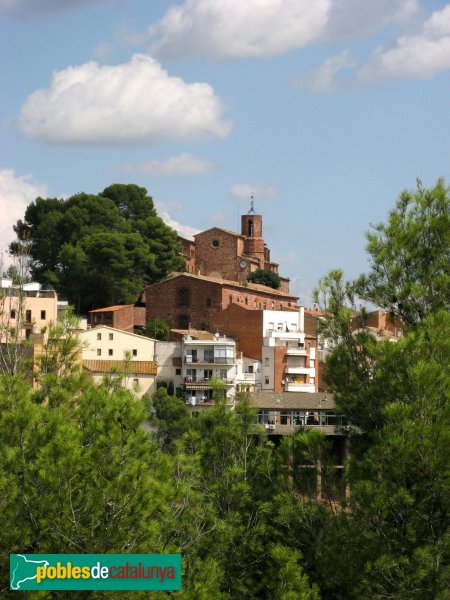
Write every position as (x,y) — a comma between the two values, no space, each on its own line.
(218,360)
(292,370)
(299,387)
(293,351)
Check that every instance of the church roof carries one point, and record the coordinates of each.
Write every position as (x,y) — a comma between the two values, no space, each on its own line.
(226,282)
(227,231)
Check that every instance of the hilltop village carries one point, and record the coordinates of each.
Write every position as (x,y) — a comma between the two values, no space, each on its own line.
(223,328)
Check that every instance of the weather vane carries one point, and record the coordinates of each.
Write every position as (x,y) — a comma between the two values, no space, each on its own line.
(252,205)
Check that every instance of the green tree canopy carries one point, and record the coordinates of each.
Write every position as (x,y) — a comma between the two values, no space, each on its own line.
(99,250)
(158,329)
(265,277)
(410,255)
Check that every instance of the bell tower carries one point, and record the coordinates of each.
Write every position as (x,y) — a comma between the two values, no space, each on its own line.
(251,229)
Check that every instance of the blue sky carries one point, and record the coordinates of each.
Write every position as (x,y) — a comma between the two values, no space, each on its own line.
(323,110)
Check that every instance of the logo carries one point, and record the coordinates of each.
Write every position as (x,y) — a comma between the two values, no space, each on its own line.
(95,571)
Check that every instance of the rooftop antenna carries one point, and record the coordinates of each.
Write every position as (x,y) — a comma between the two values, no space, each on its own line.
(252,205)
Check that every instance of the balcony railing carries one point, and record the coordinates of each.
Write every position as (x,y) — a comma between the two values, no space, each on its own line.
(218,360)
(299,351)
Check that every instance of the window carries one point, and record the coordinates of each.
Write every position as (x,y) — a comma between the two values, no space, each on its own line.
(134,352)
(43,313)
(215,244)
(209,355)
(280,326)
(99,352)
(208,373)
(250,369)
(99,336)
(266,362)
(183,297)
(183,322)
(111,336)
(223,374)
(271,326)
(293,326)
(208,302)
(110,352)
(250,228)
(177,371)
(267,380)
(135,382)
(13,314)
(246,300)
(28,316)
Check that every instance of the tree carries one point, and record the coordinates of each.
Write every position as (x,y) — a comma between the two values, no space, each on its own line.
(158,329)
(99,250)
(170,418)
(410,256)
(265,277)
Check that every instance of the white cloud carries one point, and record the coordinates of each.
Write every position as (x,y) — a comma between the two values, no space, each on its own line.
(182,164)
(253,28)
(258,190)
(16,192)
(134,102)
(102,51)
(411,57)
(331,75)
(185,231)
(30,9)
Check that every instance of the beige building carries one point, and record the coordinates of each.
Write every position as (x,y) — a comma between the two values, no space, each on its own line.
(106,351)
(30,309)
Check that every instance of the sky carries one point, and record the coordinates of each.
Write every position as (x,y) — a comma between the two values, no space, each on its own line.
(322,111)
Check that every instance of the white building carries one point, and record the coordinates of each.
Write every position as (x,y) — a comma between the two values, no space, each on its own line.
(205,360)
(106,351)
(288,355)
(168,360)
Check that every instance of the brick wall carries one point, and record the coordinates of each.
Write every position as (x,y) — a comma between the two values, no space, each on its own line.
(242,324)
(220,260)
(278,368)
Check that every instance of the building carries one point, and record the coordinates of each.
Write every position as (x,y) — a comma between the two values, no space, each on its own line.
(206,364)
(223,254)
(168,359)
(127,317)
(324,472)
(186,301)
(27,308)
(276,338)
(288,354)
(107,351)
(381,324)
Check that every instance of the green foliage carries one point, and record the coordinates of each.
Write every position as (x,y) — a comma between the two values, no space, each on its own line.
(98,250)
(265,277)
(410,256)
(169,416)
(158,329)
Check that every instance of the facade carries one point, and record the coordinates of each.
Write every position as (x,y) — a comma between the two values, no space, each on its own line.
(288,355)
(248,374)
(168,359)
(106,351)
(224,254)
(127,317)
(186,301)
(30,309)
(382,325)
(205,362)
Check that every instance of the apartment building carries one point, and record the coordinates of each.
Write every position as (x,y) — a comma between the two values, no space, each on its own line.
(206,364)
